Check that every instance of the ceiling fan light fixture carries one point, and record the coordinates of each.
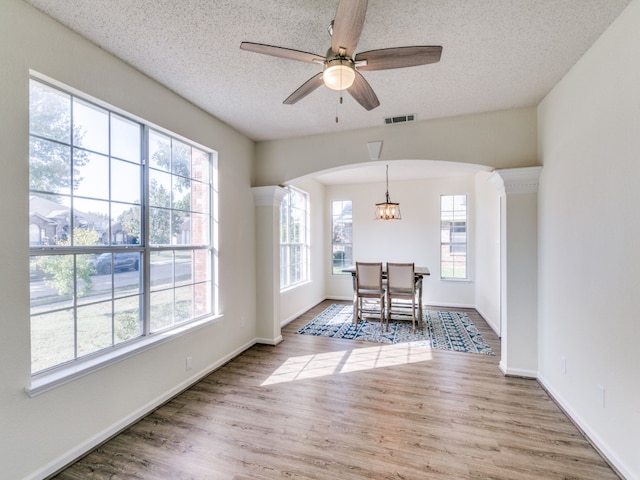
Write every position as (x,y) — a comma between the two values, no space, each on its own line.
(339,74)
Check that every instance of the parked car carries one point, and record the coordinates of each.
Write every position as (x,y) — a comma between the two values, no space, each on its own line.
(121,262)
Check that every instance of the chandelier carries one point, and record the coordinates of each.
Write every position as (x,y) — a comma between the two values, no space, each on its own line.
(388,210)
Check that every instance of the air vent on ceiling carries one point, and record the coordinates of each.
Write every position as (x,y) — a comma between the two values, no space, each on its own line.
(400,119)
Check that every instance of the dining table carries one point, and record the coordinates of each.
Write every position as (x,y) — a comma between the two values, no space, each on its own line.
(419,274)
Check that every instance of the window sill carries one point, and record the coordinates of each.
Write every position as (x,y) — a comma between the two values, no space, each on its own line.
(46,381)
(294,286)
(456,280)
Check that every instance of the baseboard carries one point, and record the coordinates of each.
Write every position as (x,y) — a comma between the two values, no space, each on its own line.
(269,341)
(449,305)
(430,305)
(85,447)
(517,372)
(297,314)
(493,325)
(601,447)
(340,299)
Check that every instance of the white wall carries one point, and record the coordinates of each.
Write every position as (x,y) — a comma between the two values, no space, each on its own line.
(297,300)
(519,292)
(40,434)
(487,250)
(589,226)
(415,238)
(504,139)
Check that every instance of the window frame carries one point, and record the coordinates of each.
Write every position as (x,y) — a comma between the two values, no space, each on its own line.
(456,248)
(337,246)
(62,372)
(287,246)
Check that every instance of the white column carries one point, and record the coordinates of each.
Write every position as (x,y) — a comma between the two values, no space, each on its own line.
(268,263)
(518,189)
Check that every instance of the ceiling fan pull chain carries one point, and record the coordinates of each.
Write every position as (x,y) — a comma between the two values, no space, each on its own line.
(340,93)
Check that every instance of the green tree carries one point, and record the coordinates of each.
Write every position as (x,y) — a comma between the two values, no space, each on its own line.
(160,223)
(172,156)
(50,162)
(130,222)
(166,215)
(60,269)
(159,219)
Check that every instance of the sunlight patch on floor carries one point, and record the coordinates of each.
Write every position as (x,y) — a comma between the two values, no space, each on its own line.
(346,361)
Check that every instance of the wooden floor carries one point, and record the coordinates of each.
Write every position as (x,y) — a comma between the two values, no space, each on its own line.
(321,408)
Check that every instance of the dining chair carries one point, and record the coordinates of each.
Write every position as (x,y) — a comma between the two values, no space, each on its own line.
(401,291)
(369,294)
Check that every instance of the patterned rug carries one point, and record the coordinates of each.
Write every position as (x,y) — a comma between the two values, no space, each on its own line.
(440,330)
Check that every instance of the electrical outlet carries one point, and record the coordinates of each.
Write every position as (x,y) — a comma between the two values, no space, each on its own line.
(189,363)
(600,393)
(243,322)
(563,365)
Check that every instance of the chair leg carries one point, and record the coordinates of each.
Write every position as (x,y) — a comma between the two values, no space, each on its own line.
(387,313)
(413,313)
(355,309)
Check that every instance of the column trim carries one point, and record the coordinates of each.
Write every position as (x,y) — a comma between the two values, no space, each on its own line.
(516,180)
(268,196)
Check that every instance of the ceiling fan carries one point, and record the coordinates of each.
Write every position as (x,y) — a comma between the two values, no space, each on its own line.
(341,70)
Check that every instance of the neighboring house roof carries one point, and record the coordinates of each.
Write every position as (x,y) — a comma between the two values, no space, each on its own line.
(48,209)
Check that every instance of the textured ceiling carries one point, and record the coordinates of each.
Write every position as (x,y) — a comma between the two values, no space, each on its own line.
(497,54)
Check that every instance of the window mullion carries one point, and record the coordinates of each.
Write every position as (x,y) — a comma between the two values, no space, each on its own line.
(144,234)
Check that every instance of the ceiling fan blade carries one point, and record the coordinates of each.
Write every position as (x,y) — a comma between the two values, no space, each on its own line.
(282,52)
(305,89)
(363,93)
(347,26)
(398,57)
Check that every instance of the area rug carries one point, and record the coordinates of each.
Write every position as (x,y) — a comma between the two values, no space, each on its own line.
(440,330)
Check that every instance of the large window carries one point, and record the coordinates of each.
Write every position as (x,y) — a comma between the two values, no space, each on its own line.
(119,229)
(453,236)
(341,236)
(294,238)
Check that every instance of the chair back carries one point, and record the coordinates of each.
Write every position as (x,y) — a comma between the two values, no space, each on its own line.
(401,277)
(369,276)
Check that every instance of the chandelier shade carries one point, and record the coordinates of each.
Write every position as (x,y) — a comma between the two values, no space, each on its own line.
(388,210)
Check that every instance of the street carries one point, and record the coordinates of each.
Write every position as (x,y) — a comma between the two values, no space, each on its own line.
(160,274)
